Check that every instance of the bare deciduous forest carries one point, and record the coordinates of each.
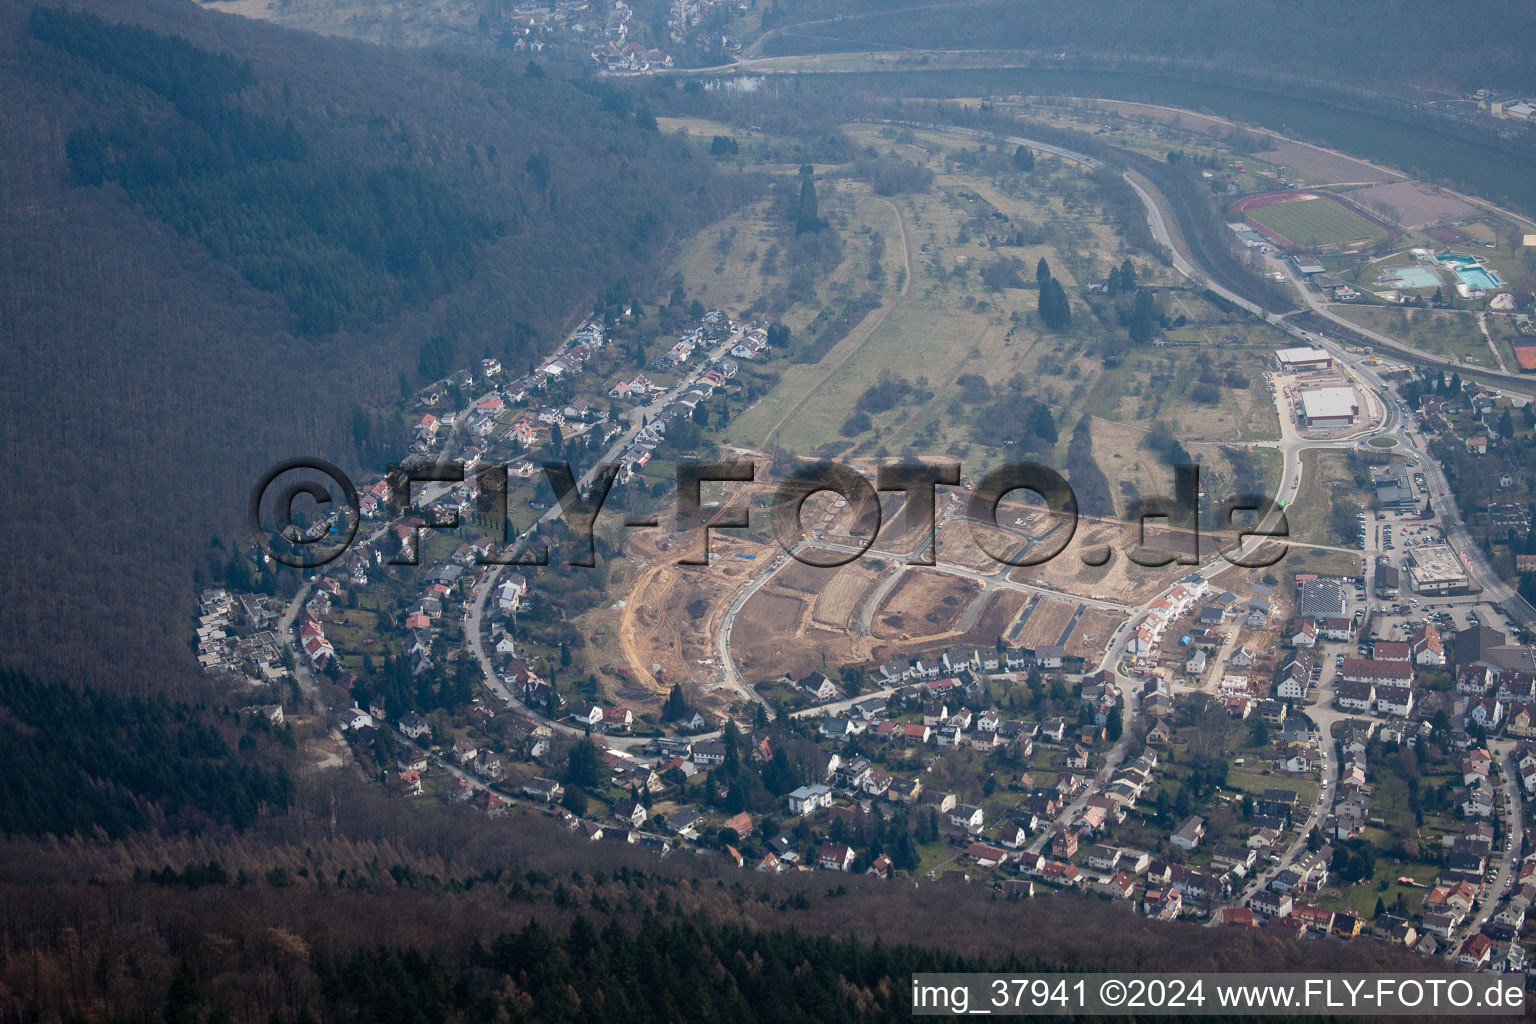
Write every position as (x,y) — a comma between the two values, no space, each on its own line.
(225,244)
(223,240)
(280,919)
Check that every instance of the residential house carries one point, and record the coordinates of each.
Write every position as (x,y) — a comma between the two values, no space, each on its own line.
(1477,950)
(1271,903)
(985,855)
(1484,712)
(404,783)
(543,790)
(1394,700)
(1189,833)
(1119,886)
(1013,835)
(709,753)
(1351,695)
(1162,904)
(1317,919)
(684,820)
(809,799)
(967,817)
(1427,647)
(1377,671)
(835,857)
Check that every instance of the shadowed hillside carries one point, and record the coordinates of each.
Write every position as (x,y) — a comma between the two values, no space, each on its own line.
(221,240)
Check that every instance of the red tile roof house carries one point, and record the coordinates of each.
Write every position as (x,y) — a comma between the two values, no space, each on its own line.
(1121,886)
(835,857)
(1163,904)
(1061,874)
(1319,919)
(1286,925)
(1476,951)
(986,856)
(1375,670)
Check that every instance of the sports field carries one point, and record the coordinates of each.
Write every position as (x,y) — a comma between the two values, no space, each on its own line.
(1314,221)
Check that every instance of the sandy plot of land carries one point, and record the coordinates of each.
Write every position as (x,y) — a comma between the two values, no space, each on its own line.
(1001,609)
(783,639)
(1412,204)
(957,546)
(897,535)
(1046,622)
(662,642)
(661,629)
(796,622)
(1118,579)
(1305,159)
(1240,581)
(1092,632)
(1067,570)
(1020,512)
(1318,163)
(773,614)
(924,603)
(768,644)
(1167,115)
(798,579)
(838,601)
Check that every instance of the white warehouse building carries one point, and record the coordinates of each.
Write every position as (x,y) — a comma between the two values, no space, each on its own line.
(1326,408)
(1292,360)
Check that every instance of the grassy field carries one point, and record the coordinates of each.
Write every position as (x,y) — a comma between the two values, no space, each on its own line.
(947,322)
(722,266)
(1255,783)
(1360,899)
(1156,384)
(703,127)
(1309,222)
(1325,479)
(1447,333)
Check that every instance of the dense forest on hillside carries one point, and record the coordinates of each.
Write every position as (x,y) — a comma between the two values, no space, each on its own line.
(94,762)
(1459,47)
(351,902)
(666,971)
(222,242)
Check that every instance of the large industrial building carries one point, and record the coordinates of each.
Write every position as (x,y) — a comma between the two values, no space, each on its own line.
(1329,408)
(1322,598)
(1293,360)
(1436,569)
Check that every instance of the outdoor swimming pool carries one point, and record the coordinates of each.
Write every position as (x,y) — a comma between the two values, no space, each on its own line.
(1474,276)
(1410,277)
